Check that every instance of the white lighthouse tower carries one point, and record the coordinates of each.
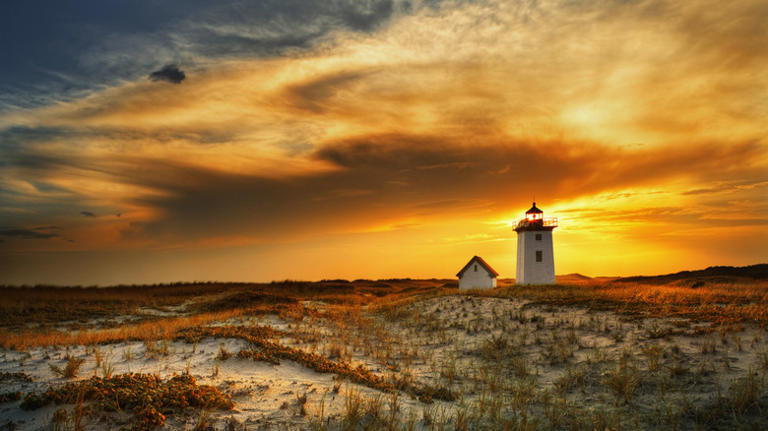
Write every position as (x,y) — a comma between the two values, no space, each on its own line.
(535,260)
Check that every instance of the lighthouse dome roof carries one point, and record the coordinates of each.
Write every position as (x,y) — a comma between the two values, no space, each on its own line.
(534,210)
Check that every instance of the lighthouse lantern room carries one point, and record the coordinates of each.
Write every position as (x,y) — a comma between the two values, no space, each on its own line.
(535,259)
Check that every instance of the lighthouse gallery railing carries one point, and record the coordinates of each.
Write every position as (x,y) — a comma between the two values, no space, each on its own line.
(546,222)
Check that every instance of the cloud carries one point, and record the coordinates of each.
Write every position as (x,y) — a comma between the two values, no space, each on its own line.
(78,51)
(728,187)
(172,197)
(46,228)
(365,16)
(317,93)
(169,73)
(443,178)
(27,234)
(272,28)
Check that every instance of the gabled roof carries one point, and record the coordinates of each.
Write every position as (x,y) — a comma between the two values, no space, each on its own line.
(478,259)
(534,210)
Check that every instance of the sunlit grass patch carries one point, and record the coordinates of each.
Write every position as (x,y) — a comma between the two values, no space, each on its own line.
(49,308)
(152,331)
(272,352)
(720,304)
(147,396)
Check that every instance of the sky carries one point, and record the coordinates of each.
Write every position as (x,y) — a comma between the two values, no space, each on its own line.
(151,141)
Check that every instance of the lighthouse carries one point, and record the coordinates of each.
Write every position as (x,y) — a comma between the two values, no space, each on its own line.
(535,259)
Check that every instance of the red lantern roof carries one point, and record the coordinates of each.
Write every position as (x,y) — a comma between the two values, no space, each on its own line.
(534,210)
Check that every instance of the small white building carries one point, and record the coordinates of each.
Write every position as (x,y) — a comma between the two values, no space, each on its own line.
(477,274)
(535,256)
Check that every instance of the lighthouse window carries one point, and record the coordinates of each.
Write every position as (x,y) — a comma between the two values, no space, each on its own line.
(539,255)
(538,237)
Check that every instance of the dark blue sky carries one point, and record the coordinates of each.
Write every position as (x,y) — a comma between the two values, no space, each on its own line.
(52,50)
(39,40)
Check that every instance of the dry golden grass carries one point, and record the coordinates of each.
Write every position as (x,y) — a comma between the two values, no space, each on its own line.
(493,354)
(45,305)
(721,304)
(147,396)
(163,329)
(49,306)
(717,303)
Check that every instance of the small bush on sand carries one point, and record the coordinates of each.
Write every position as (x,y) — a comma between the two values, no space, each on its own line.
(745,392)
(9,396)
(623,381)
(224,354)
(70,370)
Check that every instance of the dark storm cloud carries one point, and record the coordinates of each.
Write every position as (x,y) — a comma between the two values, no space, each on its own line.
(17,135)
(272,28)
(401,175)
(365,16)
(353,14)
(18,145)
(673,215)
(27,234)
(315,94)
(16,141)
(33,176)
(31,162)
(87,214)
(729,187)
(169,73)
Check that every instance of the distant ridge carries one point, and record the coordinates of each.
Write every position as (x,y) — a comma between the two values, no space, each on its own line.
(572,278)
(712,273)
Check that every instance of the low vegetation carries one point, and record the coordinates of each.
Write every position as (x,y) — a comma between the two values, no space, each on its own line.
(717,303)
(71,368)
(147,396)
(640,353)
